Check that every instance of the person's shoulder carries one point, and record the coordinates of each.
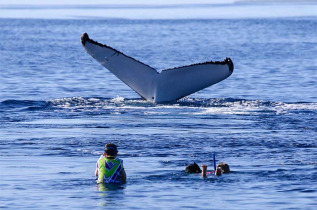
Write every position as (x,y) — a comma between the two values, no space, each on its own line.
(118,159)
(101,157)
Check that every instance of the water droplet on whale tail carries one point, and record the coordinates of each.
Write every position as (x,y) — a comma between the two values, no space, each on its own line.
(169,85)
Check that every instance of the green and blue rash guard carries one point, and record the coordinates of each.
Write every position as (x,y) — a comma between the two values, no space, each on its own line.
(109,170)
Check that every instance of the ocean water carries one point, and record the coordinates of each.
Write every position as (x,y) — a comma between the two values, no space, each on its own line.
(58,107)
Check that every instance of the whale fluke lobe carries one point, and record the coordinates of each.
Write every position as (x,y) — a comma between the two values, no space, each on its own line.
(169,85)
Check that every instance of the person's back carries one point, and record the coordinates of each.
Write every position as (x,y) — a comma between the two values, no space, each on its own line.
(109,167)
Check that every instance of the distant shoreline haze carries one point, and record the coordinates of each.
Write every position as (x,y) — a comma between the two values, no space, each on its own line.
(140,10)
(143,2)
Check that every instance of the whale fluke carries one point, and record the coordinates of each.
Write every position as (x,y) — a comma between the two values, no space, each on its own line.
(168,85)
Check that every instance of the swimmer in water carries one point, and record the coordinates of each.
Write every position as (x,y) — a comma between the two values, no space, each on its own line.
(109,168)
(193,168)
(222,168)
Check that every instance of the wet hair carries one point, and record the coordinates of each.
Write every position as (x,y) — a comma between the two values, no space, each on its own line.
(193,168)
(111,149)
(224,167)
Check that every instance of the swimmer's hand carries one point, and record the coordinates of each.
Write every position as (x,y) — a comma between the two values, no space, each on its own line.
(204,171)
(218,171)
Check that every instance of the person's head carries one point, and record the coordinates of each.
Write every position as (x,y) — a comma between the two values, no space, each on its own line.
(111,150)
(193,168)
(224,167)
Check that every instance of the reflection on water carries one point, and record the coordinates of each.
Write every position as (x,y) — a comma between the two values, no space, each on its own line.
(110,194)
(109,187)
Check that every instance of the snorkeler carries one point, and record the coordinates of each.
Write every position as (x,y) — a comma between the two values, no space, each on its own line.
(110,168)
(222,168)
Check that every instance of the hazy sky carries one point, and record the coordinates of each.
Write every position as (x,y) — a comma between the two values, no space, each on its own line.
(144,2)
(40,9)
(114,1)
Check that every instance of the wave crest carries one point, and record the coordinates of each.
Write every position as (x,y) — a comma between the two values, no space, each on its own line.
(196,106)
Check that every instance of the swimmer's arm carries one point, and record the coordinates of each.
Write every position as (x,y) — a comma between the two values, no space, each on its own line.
(123,176)
(218,171)
(96,171)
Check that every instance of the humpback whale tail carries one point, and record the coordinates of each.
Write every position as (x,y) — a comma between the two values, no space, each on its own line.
(168,85)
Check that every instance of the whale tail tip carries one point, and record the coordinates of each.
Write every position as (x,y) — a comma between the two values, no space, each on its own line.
(230,64)
(84,38)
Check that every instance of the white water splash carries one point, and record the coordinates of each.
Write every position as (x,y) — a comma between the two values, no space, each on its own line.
(117,99)
(188,106)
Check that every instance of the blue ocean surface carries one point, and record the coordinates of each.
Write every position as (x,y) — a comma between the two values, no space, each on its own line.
(58,107)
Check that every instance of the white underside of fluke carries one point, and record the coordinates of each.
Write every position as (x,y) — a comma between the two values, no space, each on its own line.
(169,85)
